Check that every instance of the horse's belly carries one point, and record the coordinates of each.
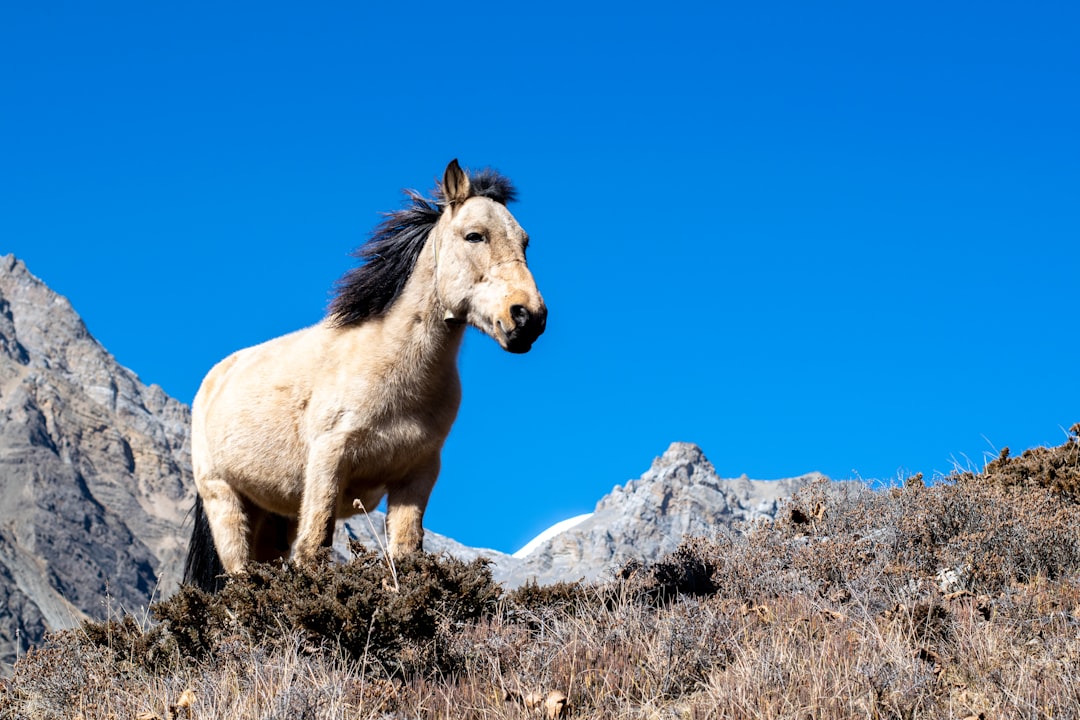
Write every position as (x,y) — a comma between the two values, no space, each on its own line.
(277,487)
(360,498)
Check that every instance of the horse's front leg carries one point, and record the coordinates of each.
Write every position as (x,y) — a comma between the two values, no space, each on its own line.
(405,505)
(322,477)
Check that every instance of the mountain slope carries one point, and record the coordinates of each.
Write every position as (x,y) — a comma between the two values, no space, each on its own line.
(95,480)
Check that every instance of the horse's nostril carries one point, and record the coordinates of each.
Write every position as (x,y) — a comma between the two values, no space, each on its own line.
(521,315)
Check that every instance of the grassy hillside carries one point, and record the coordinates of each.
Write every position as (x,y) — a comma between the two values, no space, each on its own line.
(957,599)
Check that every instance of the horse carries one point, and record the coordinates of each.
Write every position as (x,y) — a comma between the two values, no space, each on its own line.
(325,422)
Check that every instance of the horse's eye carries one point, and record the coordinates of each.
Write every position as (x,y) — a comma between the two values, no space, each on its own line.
(474,237)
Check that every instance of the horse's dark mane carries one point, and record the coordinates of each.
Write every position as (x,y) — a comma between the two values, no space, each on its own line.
(490,184)
(389,255)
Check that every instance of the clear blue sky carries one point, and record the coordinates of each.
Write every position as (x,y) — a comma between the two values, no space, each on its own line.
(841,237)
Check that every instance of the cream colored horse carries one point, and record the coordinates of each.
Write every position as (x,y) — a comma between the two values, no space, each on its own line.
(291,434)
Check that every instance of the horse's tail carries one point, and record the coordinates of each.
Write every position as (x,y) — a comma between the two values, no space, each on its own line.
(203,568)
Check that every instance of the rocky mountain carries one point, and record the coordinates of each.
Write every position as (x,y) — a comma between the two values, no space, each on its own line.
(95,477)
(95,486)
(680,496)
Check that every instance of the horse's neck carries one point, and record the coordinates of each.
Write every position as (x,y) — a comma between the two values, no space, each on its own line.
(417,325)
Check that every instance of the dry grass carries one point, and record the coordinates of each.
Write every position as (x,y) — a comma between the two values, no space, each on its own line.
(960,599)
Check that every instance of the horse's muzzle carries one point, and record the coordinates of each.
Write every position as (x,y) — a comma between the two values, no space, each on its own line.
(528,326)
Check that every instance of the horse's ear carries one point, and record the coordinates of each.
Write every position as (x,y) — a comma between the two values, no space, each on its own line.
(455,184)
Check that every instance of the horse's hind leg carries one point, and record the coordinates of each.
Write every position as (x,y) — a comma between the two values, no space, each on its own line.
(225,510)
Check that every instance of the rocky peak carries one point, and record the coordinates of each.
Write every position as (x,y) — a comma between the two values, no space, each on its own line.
(94,470)
(680,469)
(684,459)
(680,496)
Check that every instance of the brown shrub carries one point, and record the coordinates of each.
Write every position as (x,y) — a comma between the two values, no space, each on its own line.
(1055,469)
(533,597)
(352,611)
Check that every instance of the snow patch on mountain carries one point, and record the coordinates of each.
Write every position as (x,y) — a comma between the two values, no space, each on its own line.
(551,532)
